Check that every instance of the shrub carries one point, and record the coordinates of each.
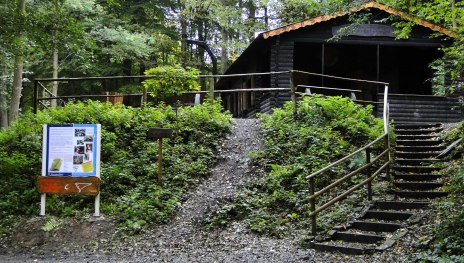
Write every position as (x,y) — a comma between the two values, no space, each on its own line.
(171,80)
(128,160)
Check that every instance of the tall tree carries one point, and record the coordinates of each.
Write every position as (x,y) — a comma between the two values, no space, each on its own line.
(20,40)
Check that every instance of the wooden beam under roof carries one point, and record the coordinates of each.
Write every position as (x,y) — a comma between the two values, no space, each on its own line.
(383,7)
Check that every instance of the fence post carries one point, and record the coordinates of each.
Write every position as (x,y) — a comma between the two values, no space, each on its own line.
(144,96)
(211,89)
(312,201)
(369,184)
(36,95)
(292,93)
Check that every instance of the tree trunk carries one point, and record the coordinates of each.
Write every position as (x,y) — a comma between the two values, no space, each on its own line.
(55,76)
(266,18)
(453,9)
(251,19)
(183,37)
(224,57)
(18,69)
(17,88)
(3,101)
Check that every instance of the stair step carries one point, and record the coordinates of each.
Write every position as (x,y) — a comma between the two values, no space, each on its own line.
(375,226)
(414,126)
(416,137)
(417,132)
(357,237)
(344,247)
(422,107)
(433,142)
(416,162)
(421,194)
(418,185)
(415,169)
(386,215)
(416,155)
(426,120)
(417,177)
(425,113)
(400,205)
(420,148)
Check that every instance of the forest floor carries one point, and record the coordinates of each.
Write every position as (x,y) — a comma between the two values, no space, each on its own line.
(184,238)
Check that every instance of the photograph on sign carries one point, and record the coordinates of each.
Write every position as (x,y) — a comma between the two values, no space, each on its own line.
(70,150)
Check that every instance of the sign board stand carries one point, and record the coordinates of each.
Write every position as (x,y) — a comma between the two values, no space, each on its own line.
(70,162)
(159,134)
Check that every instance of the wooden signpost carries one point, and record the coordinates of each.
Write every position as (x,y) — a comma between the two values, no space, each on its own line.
(159,134)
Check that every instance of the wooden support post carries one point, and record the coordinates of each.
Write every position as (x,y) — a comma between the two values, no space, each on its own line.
(144,96)
(313,206)
(369,184)
(36,95)
(293,93)
(211,89)
(160,159)
(159,134)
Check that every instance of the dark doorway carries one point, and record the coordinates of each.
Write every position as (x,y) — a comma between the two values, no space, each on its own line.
(407,68)
(351,61)
(307,57)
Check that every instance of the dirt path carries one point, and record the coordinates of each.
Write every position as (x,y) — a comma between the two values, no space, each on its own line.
(184,239)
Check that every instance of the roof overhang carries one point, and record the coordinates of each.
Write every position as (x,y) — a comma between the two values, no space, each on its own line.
(392,11)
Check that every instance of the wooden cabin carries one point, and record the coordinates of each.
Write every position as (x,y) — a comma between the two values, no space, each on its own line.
(368,50)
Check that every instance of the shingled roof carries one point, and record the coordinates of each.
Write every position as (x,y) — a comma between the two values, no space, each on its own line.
(372,4)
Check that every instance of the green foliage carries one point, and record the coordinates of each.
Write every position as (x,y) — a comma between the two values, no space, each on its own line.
(446,13)
(448,243)
(52,224)
(323,130)
(171,80)
(128,160)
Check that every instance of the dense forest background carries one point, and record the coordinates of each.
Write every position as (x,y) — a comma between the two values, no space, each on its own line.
(78,38)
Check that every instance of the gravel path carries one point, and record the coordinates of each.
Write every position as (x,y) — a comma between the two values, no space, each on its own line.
(185,239)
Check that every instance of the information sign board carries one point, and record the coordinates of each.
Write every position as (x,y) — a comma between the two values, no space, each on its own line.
(71,150)
(70,161)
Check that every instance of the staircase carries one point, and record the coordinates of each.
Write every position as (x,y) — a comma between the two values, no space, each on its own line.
(406,108)
(415,180)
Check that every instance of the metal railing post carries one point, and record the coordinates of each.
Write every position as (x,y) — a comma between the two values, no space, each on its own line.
(369,185)
(386,119)
(312,201)
(387,156)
